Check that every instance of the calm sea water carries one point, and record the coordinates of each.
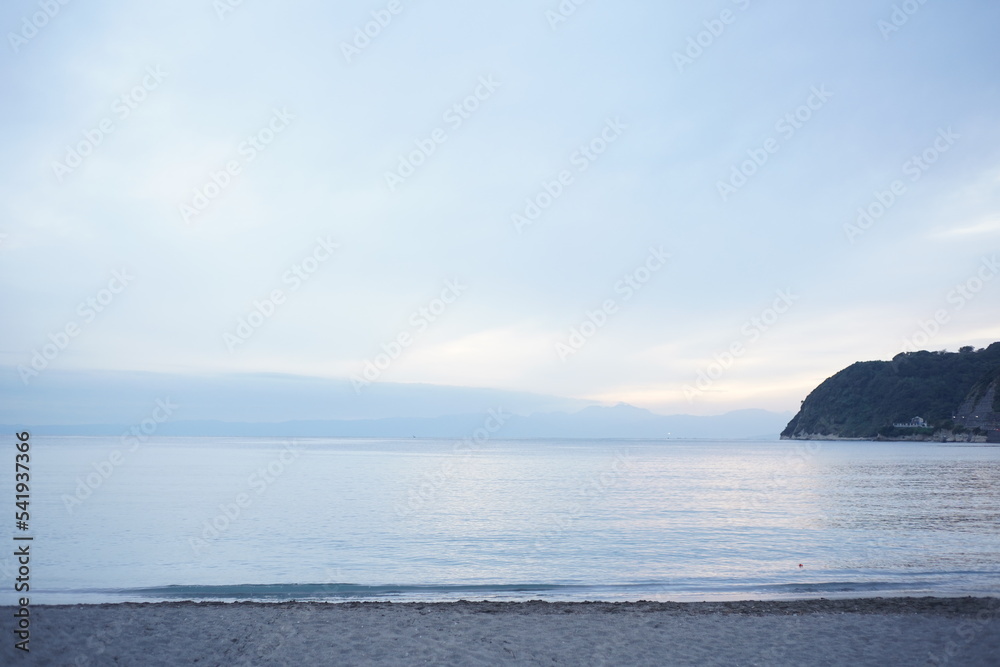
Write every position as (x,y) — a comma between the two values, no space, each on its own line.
(336,519)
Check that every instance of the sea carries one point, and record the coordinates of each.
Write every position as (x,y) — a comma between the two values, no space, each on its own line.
(168,518)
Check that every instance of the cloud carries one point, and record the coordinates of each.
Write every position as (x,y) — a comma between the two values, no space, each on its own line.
(655,185)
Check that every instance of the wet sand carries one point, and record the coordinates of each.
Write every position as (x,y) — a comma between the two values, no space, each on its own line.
(875,631)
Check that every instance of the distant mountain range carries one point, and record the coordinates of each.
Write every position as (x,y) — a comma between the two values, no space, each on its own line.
(917,395)
(76,402)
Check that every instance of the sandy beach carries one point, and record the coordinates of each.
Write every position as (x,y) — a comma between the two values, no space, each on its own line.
(878,631)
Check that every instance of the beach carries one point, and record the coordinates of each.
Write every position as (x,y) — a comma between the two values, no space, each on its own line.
(874,631)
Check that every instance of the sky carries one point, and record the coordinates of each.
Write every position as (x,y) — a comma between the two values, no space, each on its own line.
(688,207)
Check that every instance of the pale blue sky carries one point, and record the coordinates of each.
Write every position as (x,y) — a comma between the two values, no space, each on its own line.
(323,176)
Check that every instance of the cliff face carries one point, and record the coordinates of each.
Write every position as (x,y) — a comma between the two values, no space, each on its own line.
(981,408)
(953,392)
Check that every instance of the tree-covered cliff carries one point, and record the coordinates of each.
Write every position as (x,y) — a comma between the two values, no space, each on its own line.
(868,397)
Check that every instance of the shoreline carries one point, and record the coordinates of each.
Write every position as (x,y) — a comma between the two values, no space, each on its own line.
(973,440)
(855,631)
(943,605)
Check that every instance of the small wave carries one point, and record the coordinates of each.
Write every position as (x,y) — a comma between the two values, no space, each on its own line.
(550,591)
(840,586)
(336,591)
